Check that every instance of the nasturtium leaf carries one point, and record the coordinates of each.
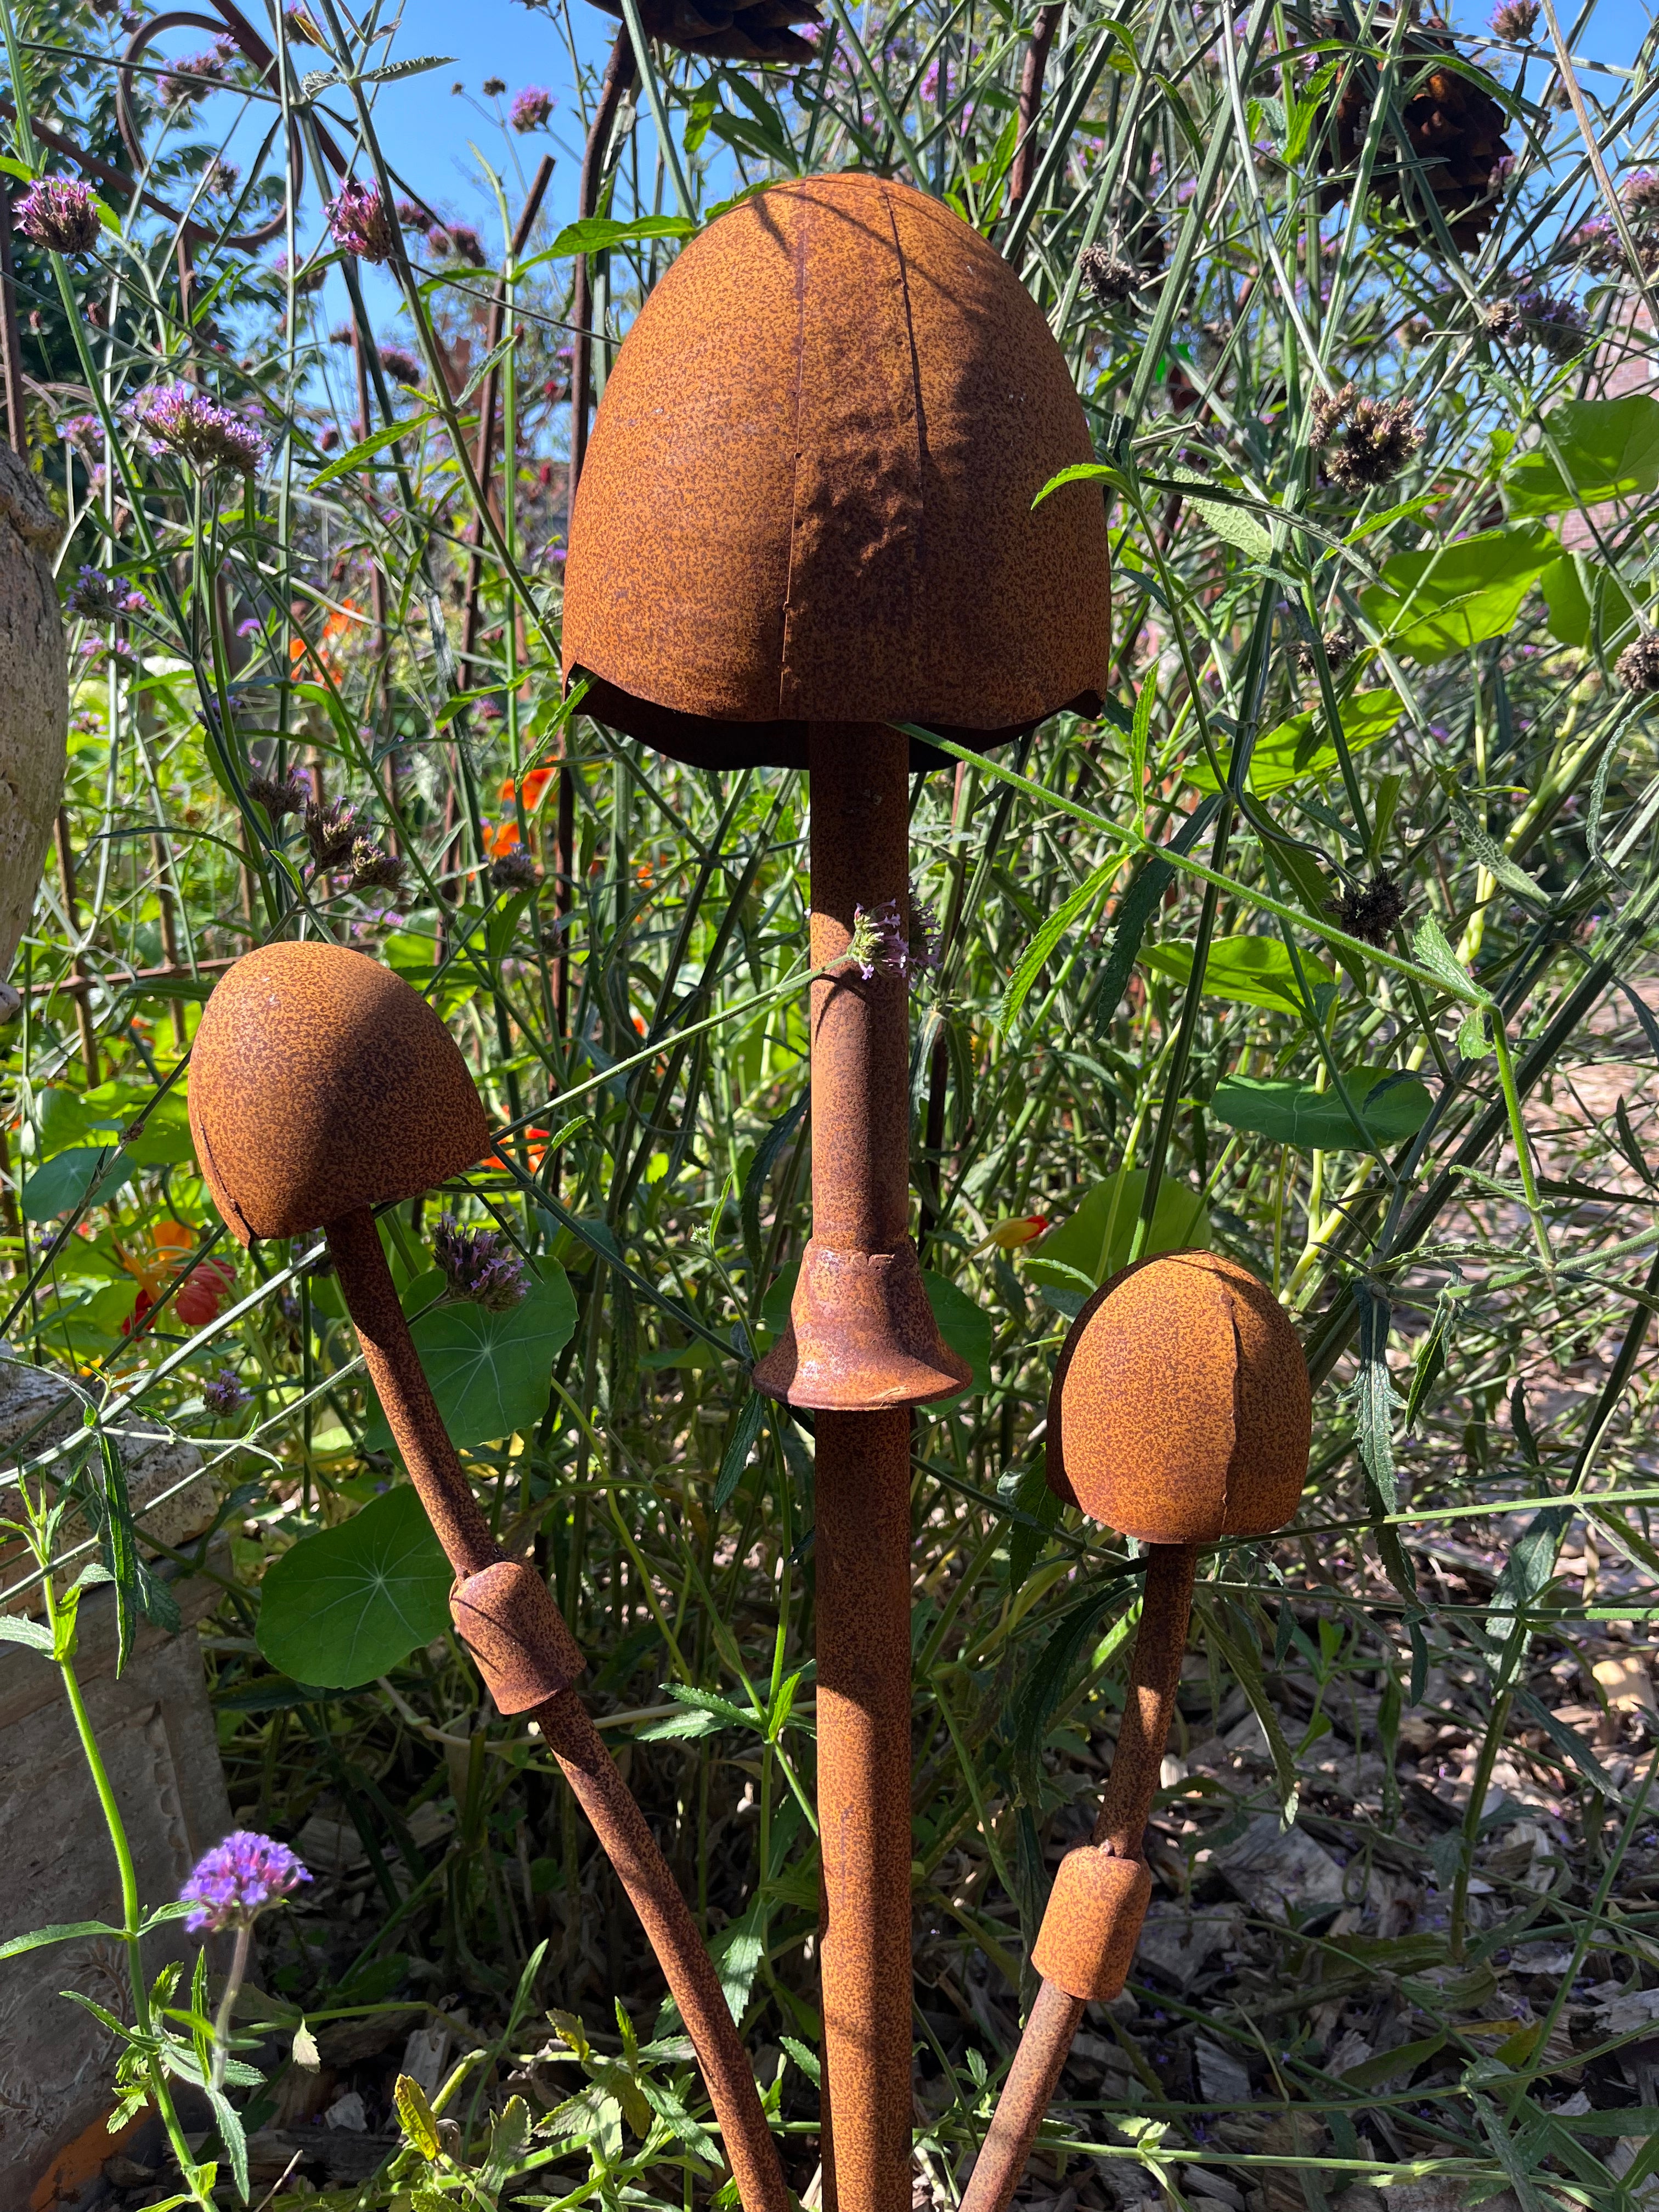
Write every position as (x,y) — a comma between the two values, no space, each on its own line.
(1301,746)
(1393,1107)
(1610,450)
(1255,971)
(963,1326)
(69,1177)
(490,1372)
(347,1604)
(1094,1243)
(1586,600)
(1443,599)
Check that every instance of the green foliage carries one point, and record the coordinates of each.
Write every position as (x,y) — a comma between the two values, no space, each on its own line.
(489,1372)
(350,1603)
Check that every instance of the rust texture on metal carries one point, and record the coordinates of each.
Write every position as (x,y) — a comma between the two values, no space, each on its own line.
(862,1549)
(1054,2019)
(1179,1411)
(862,1333)
(808,493)
(507,1619)
(1166,1606)
(290,1141)
(1092,1924)
(1086,1943)
(321,1083)
(632,1850)
(1180,1403)
(405,1395)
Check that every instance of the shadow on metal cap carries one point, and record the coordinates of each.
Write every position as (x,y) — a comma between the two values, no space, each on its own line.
(809,492)
(320,1083)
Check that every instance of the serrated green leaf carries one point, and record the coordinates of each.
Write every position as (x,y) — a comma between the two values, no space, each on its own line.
(415,2117)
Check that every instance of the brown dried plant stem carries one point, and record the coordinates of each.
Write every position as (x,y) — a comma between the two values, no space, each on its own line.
(417,1427)
(1126,1802)
(860,1205)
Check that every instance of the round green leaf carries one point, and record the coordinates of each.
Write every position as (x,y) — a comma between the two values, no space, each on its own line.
(73,1175)
(1256,971)
(490,1372)
(1393,1107)
(348,1604)
(1093,1242)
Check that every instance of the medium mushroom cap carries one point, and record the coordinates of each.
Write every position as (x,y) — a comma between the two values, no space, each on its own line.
(808,497)
(320,1083)
(1181,1412)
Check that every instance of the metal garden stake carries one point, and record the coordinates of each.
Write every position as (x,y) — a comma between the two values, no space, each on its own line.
(806,517)
(321,1085)
(1180,1415)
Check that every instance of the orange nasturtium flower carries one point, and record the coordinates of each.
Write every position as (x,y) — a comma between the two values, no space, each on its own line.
(157,1260)
(1016,1229)
(330,646)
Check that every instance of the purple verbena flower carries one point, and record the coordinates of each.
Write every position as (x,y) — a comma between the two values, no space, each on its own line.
(93,596)
(60,213)
(402,368)
(331,831)
(187,80)
(358,221)
(924,935)
(1514,21)
(240,1879)
(373,868)
(180,420)
(478,1264)
(878,944)
(530,110)
(223,1396)
(249,626)
(457,241)
(280,796)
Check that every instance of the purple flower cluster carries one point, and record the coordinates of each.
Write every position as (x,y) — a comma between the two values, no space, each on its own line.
(359,220)
(59,214)
(530,110)
(402,368)
(222,1396)
(879,945)
(98,598)
(240,1879)
(1514,21)
(187,80)
(180,420)
(1553,322)
(478,1264)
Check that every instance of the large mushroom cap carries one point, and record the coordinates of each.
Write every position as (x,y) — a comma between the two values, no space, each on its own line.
(1179,1411)
(320,1083)
(808,495)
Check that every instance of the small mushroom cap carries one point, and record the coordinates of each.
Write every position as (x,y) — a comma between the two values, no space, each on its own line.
(809,492)
(1181,1412)
(320,1083)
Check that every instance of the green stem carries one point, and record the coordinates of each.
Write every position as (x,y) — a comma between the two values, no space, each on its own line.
(131,1914)
(224,2022)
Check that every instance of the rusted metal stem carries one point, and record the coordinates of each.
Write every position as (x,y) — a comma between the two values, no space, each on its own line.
(1154,1678)
(405,1395)
(862,1549)
(620,1826)
(861,1206)
(1030,99)
(417,1428)
(618,78)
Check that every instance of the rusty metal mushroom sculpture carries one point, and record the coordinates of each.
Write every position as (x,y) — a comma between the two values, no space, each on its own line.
(1180,1415)
(322,1085)
(805,517)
